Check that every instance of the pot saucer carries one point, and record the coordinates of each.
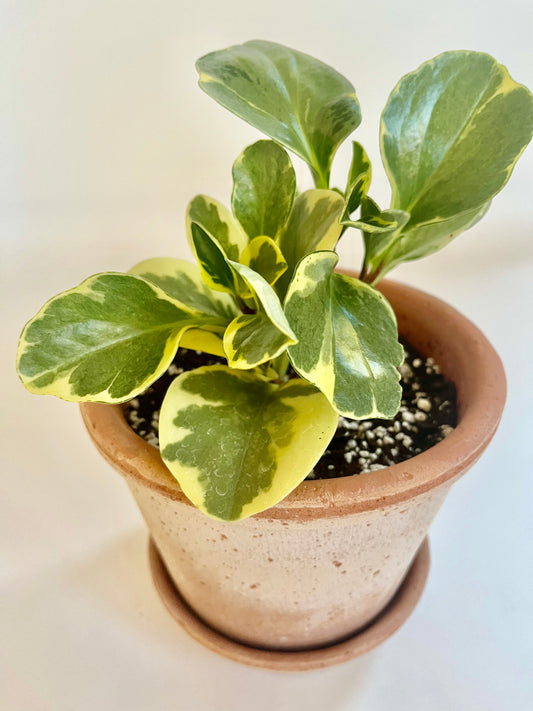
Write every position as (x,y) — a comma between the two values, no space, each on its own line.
(390,619)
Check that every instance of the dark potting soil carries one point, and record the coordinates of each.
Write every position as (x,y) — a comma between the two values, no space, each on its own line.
(427,414)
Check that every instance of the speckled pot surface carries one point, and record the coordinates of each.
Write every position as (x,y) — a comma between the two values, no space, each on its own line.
(324,562)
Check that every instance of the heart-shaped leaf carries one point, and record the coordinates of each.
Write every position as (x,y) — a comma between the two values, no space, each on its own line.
(104,341)
(213,217)
(451,134)
(237,444)
(264,184)
(295,99)
(347,339)
(313,225)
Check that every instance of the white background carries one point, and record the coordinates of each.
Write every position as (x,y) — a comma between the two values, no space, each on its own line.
(104,138)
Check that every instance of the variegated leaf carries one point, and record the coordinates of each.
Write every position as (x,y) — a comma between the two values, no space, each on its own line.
(104,341)
(264,256)
(237,444)
(313,225)
(254,338)
(451,134)
(214,262)
(215,219)
(200,339)
(347,339)
(418,242)
(375,221)
(264,184)
(295,99)
(183,281)
(359,180)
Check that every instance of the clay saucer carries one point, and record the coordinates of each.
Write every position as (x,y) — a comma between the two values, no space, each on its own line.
(390,620)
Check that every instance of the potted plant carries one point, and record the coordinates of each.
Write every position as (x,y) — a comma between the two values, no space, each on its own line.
(280,571)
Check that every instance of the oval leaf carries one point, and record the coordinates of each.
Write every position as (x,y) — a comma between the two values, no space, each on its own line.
(451,134)
(295,99)
(237,444)
(347,339)
(313,225)
(104,341)
(264,184)
(213,217)
(213,261)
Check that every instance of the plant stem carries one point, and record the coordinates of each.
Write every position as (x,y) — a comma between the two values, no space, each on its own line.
(281,366)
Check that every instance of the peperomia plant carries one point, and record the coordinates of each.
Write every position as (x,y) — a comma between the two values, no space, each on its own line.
(264,293)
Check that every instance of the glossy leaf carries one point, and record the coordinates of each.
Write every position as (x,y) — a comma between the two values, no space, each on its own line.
(252,339)
(359,180)
(264,256)
(104,341)
(419,241)
(237,444)
(264,184)
(375,221)
(451,134)
(295,99)
(213,261)
(200,339)
(183,281)
(347,339)
(313,225)
(215,219)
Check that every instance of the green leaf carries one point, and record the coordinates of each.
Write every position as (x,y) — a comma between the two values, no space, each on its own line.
(262,332)
(359,180)
(104,341)
(420,241)
(264,184)
(264,256)
(375,221)
(380,230)
(214,263)
(218,222)
(183,281)
(347,339)
(451,134)
(252,339)
(295,99)
(313,225)
(237,444)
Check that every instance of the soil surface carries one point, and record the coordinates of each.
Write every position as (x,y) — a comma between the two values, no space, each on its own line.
(427,414)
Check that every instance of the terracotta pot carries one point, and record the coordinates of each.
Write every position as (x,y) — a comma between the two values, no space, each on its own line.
(323,563)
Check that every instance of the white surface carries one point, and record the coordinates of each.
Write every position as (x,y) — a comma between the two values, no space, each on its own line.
(104,139)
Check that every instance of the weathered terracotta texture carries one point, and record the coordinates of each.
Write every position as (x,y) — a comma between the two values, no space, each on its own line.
(387,622)
(325,561)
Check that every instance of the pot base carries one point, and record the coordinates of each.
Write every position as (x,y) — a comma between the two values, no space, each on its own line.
(392,617)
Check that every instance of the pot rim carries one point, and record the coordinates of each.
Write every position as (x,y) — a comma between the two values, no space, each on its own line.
(481,397)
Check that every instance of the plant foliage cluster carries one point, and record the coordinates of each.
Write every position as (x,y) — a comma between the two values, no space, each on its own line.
(264,292)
